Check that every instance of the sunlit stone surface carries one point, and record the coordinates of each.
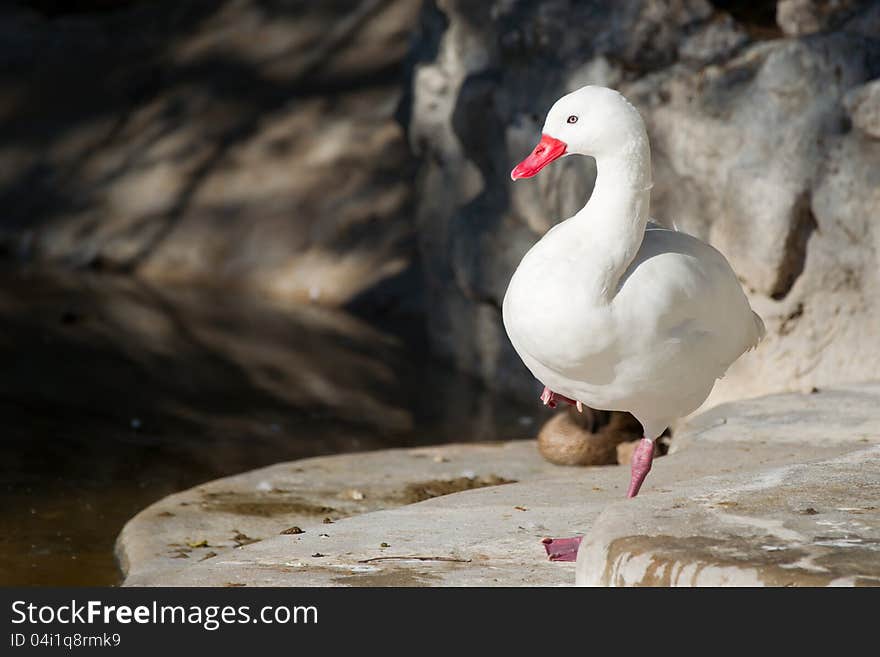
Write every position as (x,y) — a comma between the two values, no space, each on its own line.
(753,493)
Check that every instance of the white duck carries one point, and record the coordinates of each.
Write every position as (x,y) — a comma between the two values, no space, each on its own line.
(610,310)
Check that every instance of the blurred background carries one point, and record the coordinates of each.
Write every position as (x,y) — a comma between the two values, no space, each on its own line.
(237,232)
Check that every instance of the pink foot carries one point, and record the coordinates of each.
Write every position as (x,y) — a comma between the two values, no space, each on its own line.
(642,458)
(562,549)
(552,399)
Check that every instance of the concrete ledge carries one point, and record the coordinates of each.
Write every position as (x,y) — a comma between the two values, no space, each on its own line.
(774,491)
(812,524)
(206,521)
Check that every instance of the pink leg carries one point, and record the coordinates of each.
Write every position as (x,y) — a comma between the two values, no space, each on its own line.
(562,549)
(551,399)
(642,458)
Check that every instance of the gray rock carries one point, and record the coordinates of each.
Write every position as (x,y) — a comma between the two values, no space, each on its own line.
(824,331)
(192,146)
(714,41)
(211,520)
(738,146)
(865,22)
(863,105)
(811,524)
(800,17)
(815,417)
(734,503)
(805,523)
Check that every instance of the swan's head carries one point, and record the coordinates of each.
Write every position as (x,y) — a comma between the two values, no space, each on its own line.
(592,121)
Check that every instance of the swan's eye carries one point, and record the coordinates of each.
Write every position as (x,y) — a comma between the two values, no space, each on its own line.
(572,119)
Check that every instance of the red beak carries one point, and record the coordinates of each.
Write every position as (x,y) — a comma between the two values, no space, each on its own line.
(547,150)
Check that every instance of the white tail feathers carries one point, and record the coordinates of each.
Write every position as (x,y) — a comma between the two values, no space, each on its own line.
(760,330)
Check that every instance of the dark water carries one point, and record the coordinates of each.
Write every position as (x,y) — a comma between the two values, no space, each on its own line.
(114,393)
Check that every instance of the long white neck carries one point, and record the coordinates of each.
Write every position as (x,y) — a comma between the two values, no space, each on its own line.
(613,221)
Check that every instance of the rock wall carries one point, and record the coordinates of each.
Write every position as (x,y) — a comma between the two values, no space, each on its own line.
(237,142)
(764,128)
(257,143)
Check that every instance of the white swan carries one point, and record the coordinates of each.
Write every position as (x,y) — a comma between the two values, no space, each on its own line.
(611,311)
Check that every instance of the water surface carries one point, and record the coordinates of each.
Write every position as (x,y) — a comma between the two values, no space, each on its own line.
(115,393)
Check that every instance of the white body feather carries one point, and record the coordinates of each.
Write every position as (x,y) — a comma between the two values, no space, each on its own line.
(622,315)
